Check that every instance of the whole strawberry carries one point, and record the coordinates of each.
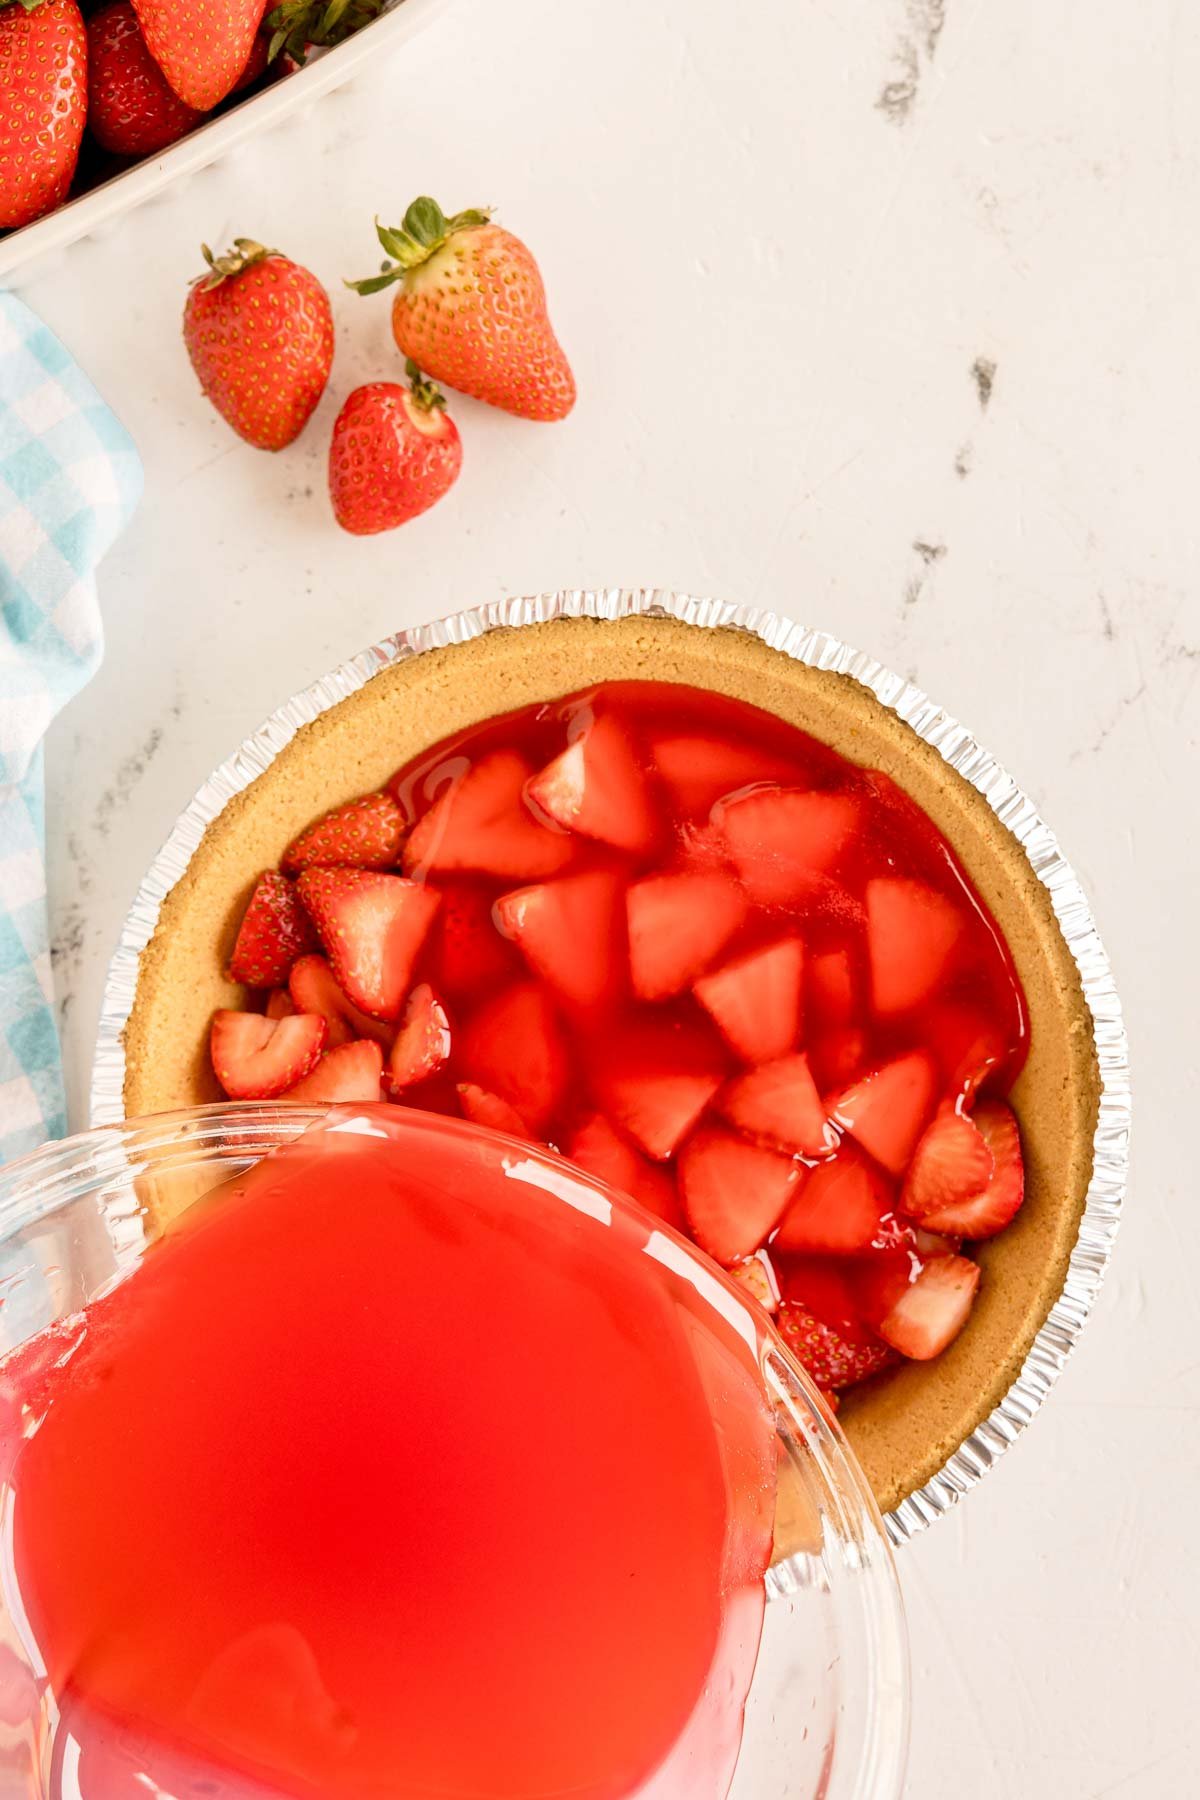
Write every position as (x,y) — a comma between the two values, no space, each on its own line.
(201,46)
(395,451)
(259,331)
(132,108)
(471,309)
(43,100)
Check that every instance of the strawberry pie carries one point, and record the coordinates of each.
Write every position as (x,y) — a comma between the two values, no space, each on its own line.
(711,924)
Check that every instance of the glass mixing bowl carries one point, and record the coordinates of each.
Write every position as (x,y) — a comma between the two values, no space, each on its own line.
(827,1713)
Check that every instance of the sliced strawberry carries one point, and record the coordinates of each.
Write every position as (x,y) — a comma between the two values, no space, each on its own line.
(274,931)
(698,770)
(312,989)
(678,923)
(778,1103)
(913,933)
(654,1078)
(756,1000)
(831,991)
(758,1278)
(488,1109)
(826,1286)
(888,1109)
(422,1043)
(951,1162)
(984,1213)
(255,1058)
(934,1243)
(933,1309)
(514,1048)
(779,838)
(840,1210)
(702,847)
(597,788)
(279,1004)
(372,927)
(481,823)
(881,1280)
(972,1051)
(468,956)
(571,933)
(349,1074)
(733,1192)
(363,834)
(831,1360)
(596,1147)
(838,1058)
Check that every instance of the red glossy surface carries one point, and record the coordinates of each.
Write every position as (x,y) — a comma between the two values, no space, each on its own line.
(390,1473)
(850,865)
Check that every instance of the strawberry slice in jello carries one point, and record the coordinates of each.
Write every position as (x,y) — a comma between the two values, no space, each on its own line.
(467,955)
(756,1001)
(571,932)
(255,1058)
(655,1077)
(733,1192)
(313,988)
(822,1325)
(346,1075)
(422,1043)
(778,1104)
(596,1147)
(839,1211)
(698,769)
(274,931)
(888,1109)
(487,1109)
(913,934)
(597,788)
(514,1047)
(372,927)
(678,924)
(481,823)
(364,834)
(780,839)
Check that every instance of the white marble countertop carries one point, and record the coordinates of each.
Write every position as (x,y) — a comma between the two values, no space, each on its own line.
(884,315)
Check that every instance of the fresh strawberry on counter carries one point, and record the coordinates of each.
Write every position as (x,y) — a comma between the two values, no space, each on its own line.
(395,452)
(259,331)
(471,310)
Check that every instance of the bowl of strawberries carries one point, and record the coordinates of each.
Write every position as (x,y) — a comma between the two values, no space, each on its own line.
(102,106)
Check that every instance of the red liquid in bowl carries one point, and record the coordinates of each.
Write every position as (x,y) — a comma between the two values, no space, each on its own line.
(388,1472)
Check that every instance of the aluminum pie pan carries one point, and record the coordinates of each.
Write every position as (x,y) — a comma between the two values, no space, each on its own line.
(1110,1147)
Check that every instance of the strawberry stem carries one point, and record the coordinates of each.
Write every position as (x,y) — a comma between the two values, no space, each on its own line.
(426,394)
(425,229)
(299,25)
(245,253)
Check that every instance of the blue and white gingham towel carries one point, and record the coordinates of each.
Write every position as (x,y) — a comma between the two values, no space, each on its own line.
(69,480)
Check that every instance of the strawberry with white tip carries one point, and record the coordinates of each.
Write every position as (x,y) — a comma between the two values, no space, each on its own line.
(394,453)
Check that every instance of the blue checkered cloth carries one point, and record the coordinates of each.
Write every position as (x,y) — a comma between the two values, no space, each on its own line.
(69,480)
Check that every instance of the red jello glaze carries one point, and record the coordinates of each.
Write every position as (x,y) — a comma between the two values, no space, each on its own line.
(393,1476)
(672,930)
